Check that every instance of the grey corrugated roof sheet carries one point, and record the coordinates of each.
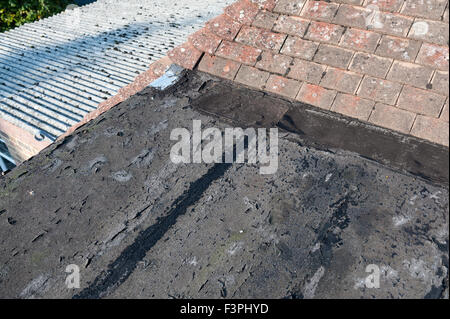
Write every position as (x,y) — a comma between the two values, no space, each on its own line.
(54,71)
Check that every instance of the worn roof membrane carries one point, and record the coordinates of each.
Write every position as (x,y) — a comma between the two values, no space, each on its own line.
(54,71)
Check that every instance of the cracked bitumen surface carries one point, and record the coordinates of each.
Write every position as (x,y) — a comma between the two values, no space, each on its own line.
(108,199)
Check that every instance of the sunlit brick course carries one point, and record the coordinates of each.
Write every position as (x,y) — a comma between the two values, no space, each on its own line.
(220,67)
(433,55)
(341,80)
(385,5)
(370,64)
(205,40)
(265,19)
(379,90)
(306,71)
(392,117)
(297,47)
(320,10)
(316,95)
(440,82)
(252,77)
(410,73)
(352,106)
(224,26)
(275,63)
(242,11)
(398,48)
(360,40)
(333,56)
(430,31)
(261,38)
(431,129)
(324,32)
(291,25)
(432,9)
(238,52)
(282,86)
(289,7)
(421,101)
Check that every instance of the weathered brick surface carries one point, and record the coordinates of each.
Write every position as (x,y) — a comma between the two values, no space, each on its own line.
(324,32)
(205,40)
(306,71)
(392,23)
(283,86)
(385,5)
(265,19)
(354,2)
(392,118)
(431,129)
(433,55)
(299,48)
(320,10)
(224,26)
(341,80)
(265,4)
(440,82)
(334,56)
(261,38)
(289,7)
(242,11)
(370,64)
(432,9)
(379,90)
(185,55)
(360,40)
(352,106)
(430,31)
(445,111)
(238,52)
(351,16)
(410,73)
(220,67)
(291,25)
(398,48)
(316,95)
(252,77)
(275,63)
(421,101)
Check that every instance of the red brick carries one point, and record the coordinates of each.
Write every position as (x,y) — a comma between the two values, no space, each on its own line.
(431,129)
(410,73)
(353,106)
(398,48)
(444,113)
(421,101)
(299,48)
(265,19)
(220,67)
(185,55)
(204,40)
(370,64)
(224,27)
(265,4)
(252,77)
(238,52)
(385,5)
(351,16)
(316,95)
(430,31)
(242,11)
(433,9)
(324,32)
(392,118)
(334,56)
(291,25)
(433,55)
(392,23)
(379,90)
(283,86)
(341,80)
(354,2)
(275,63)
(261,38)
(319,10)
(289,7)
(440,82)
(306,71)
(360,40)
